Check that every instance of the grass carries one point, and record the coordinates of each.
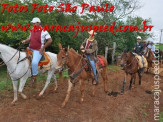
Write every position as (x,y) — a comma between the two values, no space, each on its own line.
(6,83)
(161,117)
(160,46)
(114,68)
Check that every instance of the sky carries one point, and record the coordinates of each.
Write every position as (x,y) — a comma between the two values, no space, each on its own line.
(153,9)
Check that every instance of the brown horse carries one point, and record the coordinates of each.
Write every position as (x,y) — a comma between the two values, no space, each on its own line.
(149,56)
(130,66)
(73,61)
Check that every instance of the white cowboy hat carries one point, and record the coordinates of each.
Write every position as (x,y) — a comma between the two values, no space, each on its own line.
(35,19)
(91,32)
(139,37)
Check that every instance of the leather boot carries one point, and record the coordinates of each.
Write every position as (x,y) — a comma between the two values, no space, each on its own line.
(33,81)
(94,82)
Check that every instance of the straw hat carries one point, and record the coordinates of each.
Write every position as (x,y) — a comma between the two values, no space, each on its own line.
(91,32)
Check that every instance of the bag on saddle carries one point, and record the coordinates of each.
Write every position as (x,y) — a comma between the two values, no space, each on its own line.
(140,62)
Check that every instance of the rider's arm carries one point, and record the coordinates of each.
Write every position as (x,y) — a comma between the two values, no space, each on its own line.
(26,41)
(47,43)
(82,45)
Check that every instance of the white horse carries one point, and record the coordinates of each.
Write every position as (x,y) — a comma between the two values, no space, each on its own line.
(22,70)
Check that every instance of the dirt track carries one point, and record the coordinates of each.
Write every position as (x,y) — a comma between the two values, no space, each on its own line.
(134,106)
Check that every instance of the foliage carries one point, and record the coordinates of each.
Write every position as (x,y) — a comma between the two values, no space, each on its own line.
(123,39)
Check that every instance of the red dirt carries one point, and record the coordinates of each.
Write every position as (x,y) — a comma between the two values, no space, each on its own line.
(133,106)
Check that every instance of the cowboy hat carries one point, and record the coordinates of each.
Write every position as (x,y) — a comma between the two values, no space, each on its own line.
(92,32)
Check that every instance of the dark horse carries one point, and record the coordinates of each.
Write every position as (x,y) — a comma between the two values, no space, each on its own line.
(73,61)
(130,66)
(149,56)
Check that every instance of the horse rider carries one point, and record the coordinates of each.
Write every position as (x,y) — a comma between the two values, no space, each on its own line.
(153,48)
(37,45)
(144,46)
(89,46)
(148,43)
(138,49)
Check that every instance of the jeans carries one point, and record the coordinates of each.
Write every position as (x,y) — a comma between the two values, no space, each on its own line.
(36,58)
(93,65)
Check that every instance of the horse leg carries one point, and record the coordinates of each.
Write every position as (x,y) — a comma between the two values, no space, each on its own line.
(15,85)
(68,93)
(21,87)
(82,85)
(131,82)
(105,78)
(94,90)
(60,76)
(134,79)
(123,87)
(56,83)
(50,73)
(139,78)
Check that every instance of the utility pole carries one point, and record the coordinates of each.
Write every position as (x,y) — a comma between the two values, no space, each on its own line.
(161,35)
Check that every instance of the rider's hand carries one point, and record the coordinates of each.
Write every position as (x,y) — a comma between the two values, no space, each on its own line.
(83,51)
(24,41)
(41,51)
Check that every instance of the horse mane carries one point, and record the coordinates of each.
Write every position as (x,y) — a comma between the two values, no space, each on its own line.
(132,54)
(7,46)
(73,51)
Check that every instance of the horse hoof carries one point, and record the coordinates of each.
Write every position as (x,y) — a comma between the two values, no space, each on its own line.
(81,100)
(24,96)
(92,95)
(56,90)
(63,105)
(38,97)
(121,93)
(13,103)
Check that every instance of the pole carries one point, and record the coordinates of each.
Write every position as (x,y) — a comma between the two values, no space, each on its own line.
(161,35)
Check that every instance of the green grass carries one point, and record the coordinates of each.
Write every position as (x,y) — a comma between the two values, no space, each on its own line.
(114,68)
(161,117)
(6,83)
(160,46)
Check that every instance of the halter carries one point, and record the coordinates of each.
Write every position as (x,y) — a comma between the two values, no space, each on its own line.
(73,75)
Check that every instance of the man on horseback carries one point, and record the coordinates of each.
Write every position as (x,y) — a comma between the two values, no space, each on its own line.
(138,49)
(37,44)
(89,46)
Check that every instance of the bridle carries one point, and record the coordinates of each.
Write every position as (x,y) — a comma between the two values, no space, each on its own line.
(126,65)
(73,75)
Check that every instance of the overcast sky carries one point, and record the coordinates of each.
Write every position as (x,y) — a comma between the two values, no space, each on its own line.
(153,9)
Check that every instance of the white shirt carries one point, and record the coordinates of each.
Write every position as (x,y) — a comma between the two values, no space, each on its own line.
(153,48)
(149,46)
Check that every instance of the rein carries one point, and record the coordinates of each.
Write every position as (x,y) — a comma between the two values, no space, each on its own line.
(18,61)
(73,75)
(131,62)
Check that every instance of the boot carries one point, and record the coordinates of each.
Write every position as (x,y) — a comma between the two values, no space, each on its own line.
(33,81)
(94,82)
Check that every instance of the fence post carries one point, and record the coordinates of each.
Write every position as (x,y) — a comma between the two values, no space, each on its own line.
(113,53)
(106,52)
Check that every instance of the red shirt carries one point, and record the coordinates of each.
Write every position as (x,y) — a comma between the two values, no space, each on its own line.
(35,40)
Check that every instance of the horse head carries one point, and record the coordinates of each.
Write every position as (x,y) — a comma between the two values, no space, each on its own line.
(62,56)
(126,57)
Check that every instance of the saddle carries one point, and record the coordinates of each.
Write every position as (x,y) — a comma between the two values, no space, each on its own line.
(140,63)
(44,61)
(99,64)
